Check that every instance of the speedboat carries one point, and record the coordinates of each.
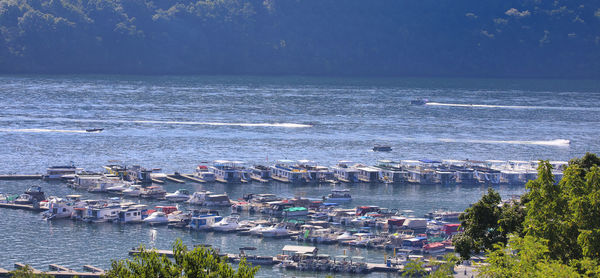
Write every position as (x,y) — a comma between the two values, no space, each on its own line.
(133,191)
(198,197)
(228,224)
(278,230)
(153,191)
(339,195)
(178,196)
(118,188)
(94,129)
(157,218)
(382,148)
(421,101)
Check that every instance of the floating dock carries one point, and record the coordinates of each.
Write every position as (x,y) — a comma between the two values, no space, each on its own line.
(157,181)
(57,271)
(192,178)
(21,177)
(19,206)
(173,179)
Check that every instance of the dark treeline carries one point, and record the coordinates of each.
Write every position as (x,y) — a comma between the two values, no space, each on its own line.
(495,38)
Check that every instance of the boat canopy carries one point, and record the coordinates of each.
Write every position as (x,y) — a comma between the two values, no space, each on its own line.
(429,161)
(299,249)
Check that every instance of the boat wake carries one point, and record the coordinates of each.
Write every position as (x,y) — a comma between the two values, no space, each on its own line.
(107,121)
(40,130)
(556,142)
(286,125)
(510,106)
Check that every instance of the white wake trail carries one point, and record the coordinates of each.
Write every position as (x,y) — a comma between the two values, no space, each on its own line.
(510,106)
(40,130)
(556,142)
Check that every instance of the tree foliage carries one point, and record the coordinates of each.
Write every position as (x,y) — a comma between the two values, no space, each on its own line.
(559,234)
(199,262)
(524,257)
(389,37)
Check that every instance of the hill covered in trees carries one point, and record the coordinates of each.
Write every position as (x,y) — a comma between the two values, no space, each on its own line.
(496,38)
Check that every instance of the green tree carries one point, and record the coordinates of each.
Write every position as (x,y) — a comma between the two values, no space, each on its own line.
(445,268)
(27,272)
(199,262)
(523,257)
(414,268)
(480,226)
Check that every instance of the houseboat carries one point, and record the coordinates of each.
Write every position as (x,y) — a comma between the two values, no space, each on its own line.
(260,173)
(229,171)
(203,173)
(59,172)
(368,174)
(345,173)
(391,172)
(285,171)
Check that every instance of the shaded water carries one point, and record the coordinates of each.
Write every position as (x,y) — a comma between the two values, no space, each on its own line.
(174,123)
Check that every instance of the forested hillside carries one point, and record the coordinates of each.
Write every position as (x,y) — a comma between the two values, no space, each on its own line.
(494,38)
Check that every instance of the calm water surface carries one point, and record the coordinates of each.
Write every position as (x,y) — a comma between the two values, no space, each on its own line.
(175,123)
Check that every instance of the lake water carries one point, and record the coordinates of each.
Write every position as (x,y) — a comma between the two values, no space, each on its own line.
(175,123)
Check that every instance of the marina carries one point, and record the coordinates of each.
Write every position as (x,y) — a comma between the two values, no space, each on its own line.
(184,124)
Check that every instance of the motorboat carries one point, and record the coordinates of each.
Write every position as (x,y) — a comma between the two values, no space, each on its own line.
(118,188)
(227,224)
(217,200)
(133,190)
(157,218)
(420,101)
(382,148)
(204,174)
(198,197)
(276,231)
(339,195)
(180,195)
(256,230)
(154,191)
(94,130)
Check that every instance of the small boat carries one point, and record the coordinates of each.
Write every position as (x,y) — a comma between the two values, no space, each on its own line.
(421,101)
(198,197)
(276,231)
(382,148)
(133,191)
(157,218)
(153,191)
(227,224)
(180,195)
(339,195)
(94,130)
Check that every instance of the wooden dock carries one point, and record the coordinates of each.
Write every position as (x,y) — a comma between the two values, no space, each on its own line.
(173,179)
(192,178)
(21,177)
(157,181)
(18,206)
(58,271)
